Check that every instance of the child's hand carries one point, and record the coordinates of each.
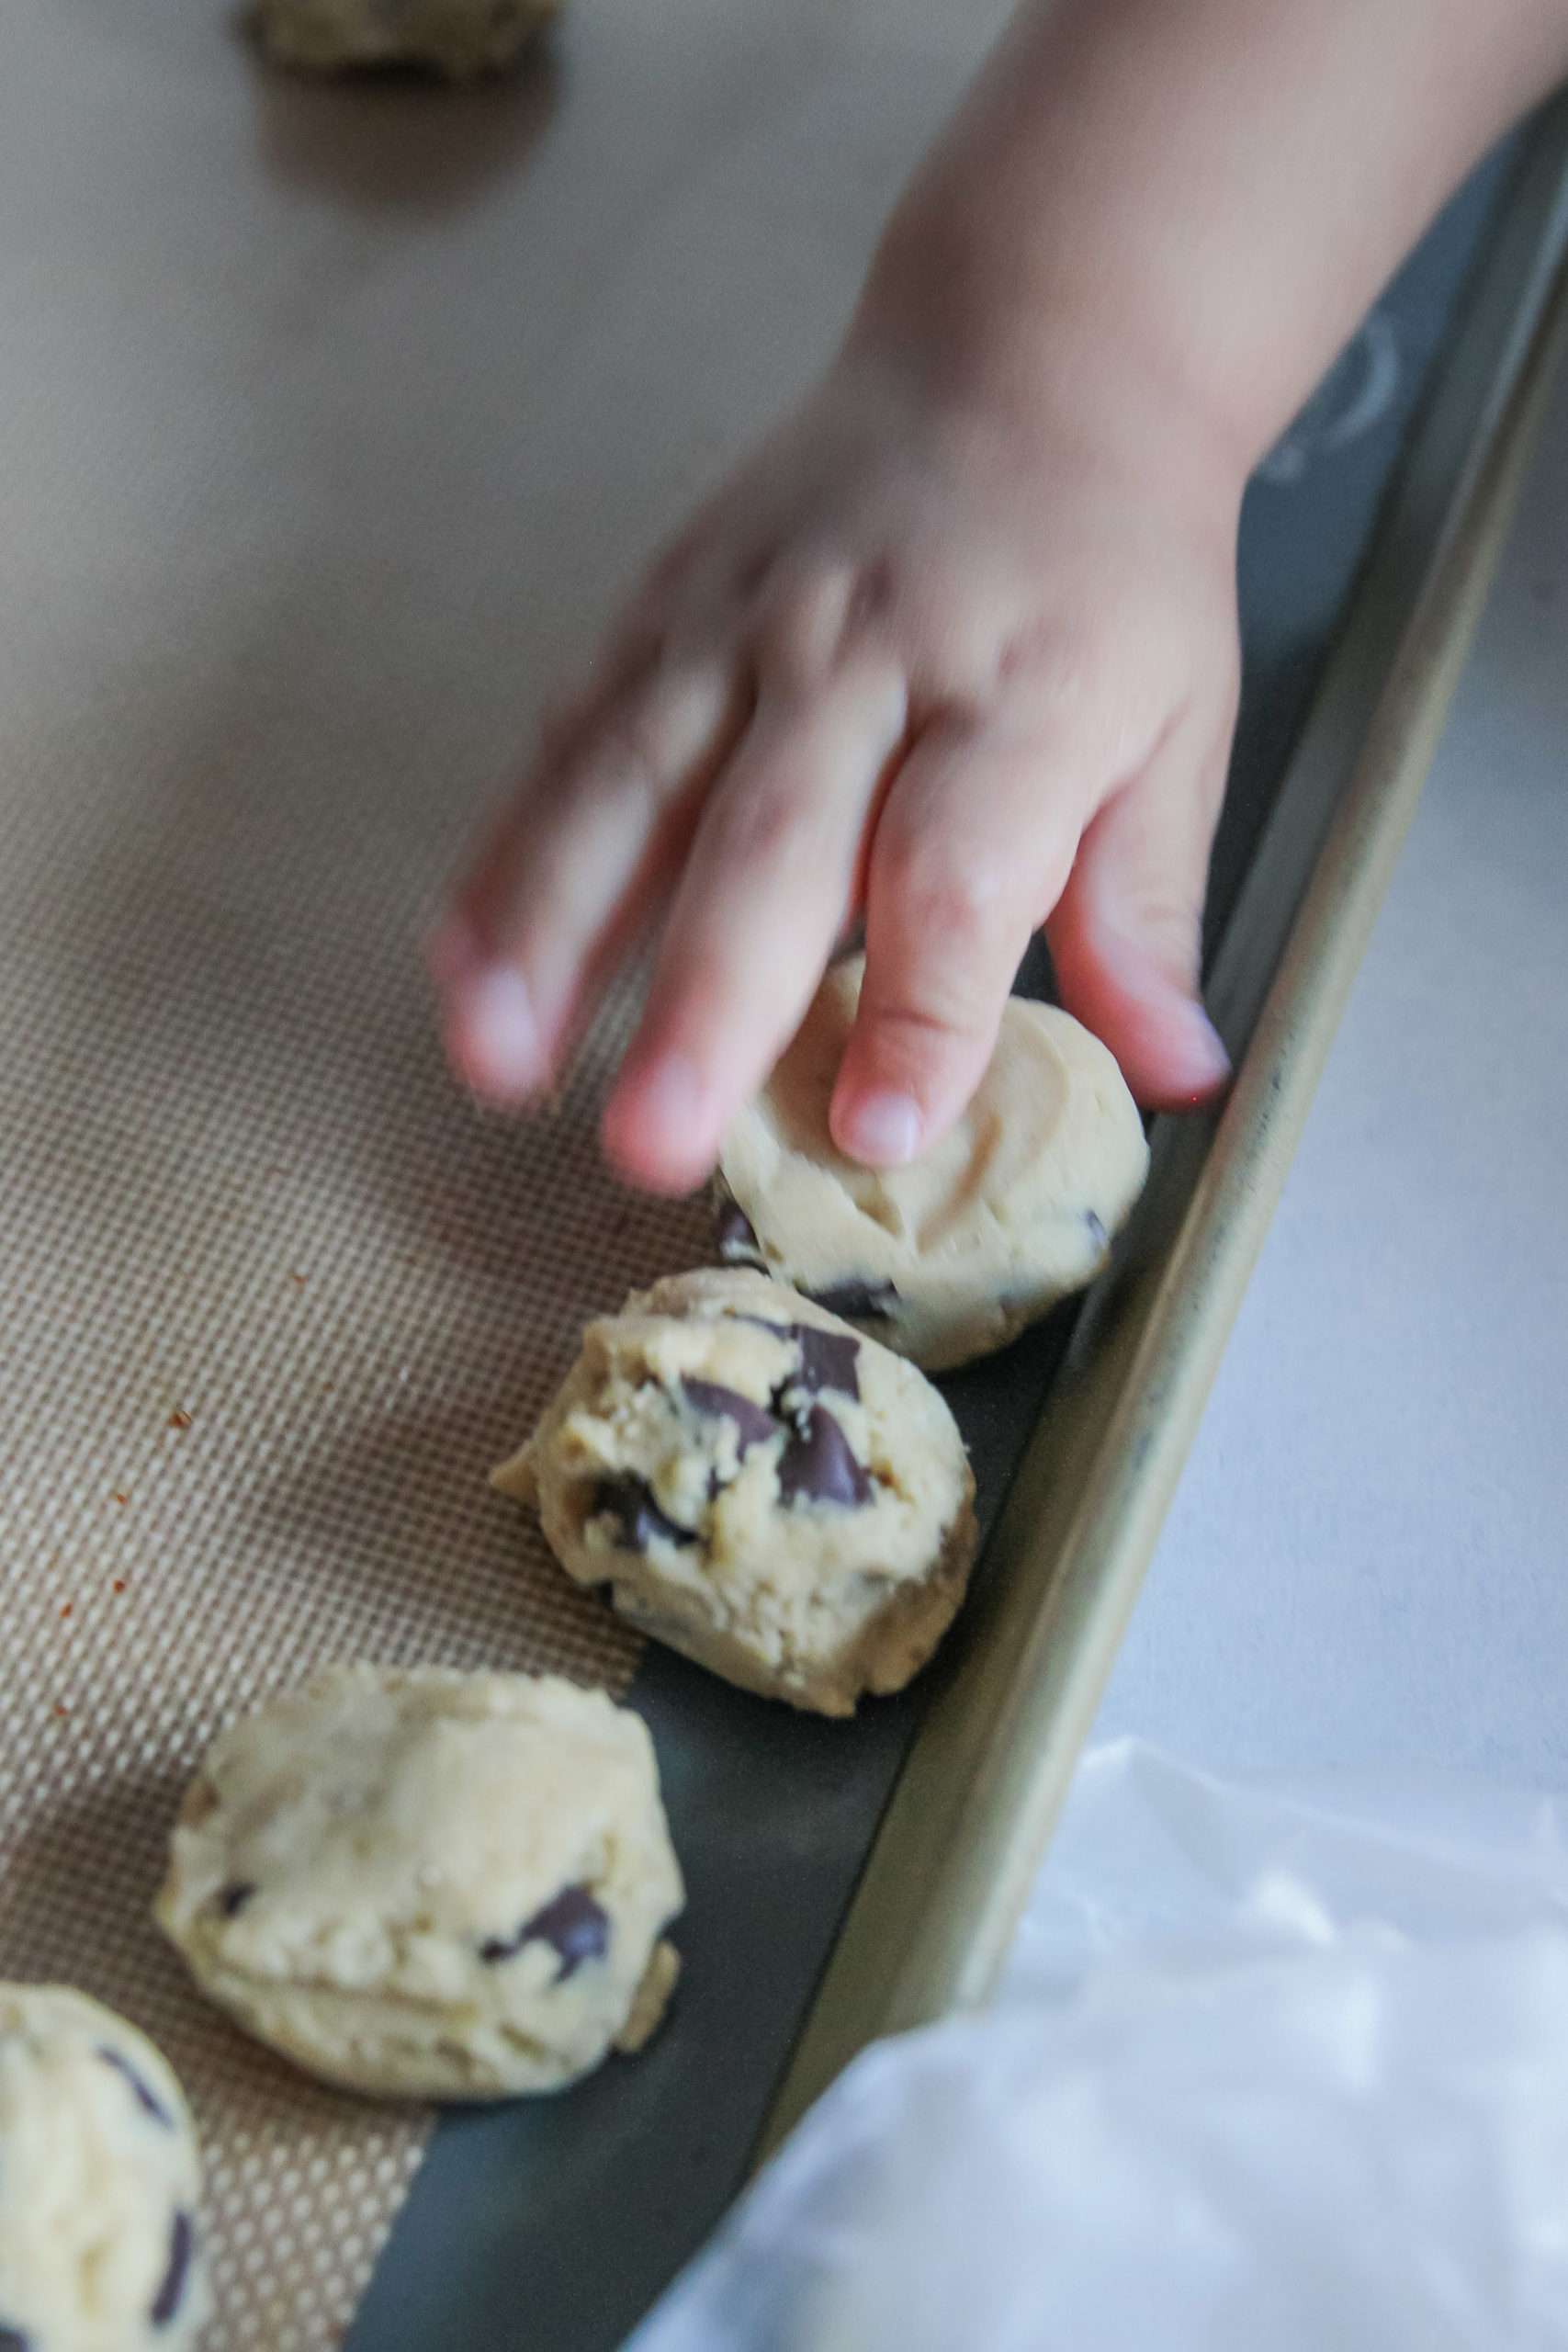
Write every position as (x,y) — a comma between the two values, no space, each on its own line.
(923,659)
(958,649)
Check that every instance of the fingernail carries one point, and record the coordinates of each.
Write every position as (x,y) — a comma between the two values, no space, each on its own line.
(883,1129)
(495,1035)
(1208,1049)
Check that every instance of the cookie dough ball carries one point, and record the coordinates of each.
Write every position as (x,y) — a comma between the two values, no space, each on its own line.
(430,1883)
(950,1257)
(99,2182)
(760,1487)
(454,38)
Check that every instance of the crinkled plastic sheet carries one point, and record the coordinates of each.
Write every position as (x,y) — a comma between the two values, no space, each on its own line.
(1268,2069)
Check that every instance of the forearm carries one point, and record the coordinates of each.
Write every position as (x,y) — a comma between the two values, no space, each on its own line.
(1193,201)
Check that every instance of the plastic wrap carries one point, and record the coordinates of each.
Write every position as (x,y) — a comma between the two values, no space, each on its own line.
(1282,2069)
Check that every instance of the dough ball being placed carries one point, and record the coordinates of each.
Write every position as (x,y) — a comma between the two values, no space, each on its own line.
(951,1257)
(99,2182)
(428,1883)
(454,38)
(760,1487)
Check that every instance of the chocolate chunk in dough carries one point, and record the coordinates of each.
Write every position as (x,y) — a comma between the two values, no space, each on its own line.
(828,1360)
(818,1465)
(827,1357)
(631,1504)
(754,1425)
(573,1924)
(170,2293)
(738,1243)
(145,2098)
(857,1302)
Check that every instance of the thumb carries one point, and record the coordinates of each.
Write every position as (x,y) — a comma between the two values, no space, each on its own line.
(1127,937)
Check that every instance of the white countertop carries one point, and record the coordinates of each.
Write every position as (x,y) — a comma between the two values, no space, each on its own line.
(1366,1565)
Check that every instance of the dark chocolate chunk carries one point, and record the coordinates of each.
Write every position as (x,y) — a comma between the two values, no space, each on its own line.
(827,1357)
(572,1923)
(182,2245)
(13,2340)
(737,1236)
(857,1302)
(1096,1232)
(629,1502)
(754,1425)
(145,2099)
(233,1898)
(817,1465)
(826,1360)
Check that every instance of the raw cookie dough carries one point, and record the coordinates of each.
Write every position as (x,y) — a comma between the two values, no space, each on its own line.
(760,1487)
(431,1884)
(951,1256)
(455,37)
(99,2182)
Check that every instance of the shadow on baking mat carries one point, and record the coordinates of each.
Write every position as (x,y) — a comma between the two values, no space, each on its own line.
(398,136)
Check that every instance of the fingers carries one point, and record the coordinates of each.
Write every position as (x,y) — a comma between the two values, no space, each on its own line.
(1126,937)
(589,840)
(974,843)
(764,892)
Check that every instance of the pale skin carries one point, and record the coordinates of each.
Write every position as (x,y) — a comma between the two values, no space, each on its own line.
(956,651)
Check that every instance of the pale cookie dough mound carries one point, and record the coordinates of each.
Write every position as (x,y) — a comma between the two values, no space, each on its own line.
(430,1883)
(760,1487)
(99,2182)
(455,37)
(951,1256)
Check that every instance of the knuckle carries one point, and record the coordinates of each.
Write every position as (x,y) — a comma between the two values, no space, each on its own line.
(955,903)
(757,827)
(801,627)
(618,749)
(631,749)
(1171,930)
(874,596)
(753,576)
(939,1005)
(1058,659)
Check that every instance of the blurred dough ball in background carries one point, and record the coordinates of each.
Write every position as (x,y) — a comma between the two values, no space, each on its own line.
(456,39)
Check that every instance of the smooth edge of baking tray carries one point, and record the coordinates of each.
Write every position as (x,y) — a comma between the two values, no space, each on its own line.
(962,1836)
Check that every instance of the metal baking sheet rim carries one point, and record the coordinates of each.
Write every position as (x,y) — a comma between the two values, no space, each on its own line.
(973,1810)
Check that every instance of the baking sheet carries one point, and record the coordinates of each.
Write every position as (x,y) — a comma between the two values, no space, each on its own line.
(330,420)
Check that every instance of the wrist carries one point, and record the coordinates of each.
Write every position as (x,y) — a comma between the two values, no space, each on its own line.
(1059,364)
